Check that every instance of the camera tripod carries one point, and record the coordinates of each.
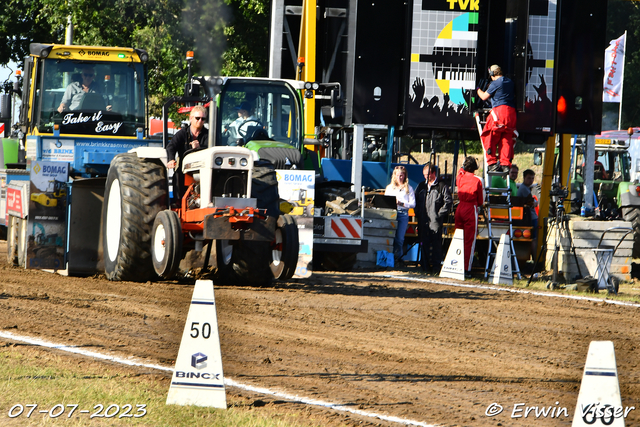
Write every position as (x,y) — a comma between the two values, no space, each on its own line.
(561,224)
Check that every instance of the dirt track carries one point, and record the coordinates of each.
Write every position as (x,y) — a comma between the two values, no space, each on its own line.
(426,352)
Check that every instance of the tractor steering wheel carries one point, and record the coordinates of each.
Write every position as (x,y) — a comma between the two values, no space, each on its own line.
(243,132)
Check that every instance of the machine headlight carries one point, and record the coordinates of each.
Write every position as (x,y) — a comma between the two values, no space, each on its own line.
(142,54)
(219,161)
(243,162)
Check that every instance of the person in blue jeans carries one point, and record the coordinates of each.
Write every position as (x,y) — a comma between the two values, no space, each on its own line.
(405,200)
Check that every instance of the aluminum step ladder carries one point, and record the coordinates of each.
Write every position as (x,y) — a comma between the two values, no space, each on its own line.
(505,203)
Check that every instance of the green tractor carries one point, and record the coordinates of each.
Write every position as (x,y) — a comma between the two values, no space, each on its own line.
(615,196)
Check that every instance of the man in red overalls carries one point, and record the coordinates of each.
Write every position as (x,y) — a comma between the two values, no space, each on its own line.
(498,135)
(471,197)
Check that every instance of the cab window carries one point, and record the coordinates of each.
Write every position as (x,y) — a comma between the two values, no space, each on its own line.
(91,97)
(258,110)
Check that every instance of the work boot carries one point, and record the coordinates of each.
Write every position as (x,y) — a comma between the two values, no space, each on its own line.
(495,167)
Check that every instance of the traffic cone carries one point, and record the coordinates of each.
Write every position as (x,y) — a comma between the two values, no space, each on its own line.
(501,271)
(453,267)
(599,401)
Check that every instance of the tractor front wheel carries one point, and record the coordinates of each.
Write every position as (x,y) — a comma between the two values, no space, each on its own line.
(284,253)
(166,244)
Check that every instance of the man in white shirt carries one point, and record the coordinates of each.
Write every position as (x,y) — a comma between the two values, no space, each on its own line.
(239,128)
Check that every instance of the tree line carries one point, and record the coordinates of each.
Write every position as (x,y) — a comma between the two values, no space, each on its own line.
(228,37)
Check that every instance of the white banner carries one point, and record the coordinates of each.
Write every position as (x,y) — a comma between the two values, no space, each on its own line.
(613,70)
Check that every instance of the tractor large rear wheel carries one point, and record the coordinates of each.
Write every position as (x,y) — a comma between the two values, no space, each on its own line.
(251,263)
(135,192)
(632,214)
(284,254)
(264,187)
(251,259)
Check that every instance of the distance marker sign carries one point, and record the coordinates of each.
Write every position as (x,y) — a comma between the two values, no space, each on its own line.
(197,378)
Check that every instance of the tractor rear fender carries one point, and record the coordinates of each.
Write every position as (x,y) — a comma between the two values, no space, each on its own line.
(629,196)
(151,153)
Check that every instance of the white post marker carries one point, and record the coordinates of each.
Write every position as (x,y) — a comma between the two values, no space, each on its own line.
(197,378)
(501,271)
(599,402)
(453,267)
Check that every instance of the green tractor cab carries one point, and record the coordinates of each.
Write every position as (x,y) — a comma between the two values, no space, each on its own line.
(615,195)
(263,115)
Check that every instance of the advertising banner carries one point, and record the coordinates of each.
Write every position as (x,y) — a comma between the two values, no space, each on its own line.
(298,188)
(47,229)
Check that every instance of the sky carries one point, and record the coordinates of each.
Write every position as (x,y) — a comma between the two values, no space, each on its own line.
(6,71)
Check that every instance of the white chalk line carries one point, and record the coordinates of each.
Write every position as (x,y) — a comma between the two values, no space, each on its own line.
(227,381)
(512,290)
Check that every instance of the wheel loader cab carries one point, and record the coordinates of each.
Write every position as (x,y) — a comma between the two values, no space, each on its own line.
(113,106)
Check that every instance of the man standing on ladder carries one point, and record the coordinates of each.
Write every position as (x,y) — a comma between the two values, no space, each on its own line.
(500,130)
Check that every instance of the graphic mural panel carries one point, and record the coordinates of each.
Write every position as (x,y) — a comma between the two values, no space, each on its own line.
(442,74)
(445,55)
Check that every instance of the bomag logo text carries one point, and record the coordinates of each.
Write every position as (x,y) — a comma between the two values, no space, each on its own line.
(97,53)
(297,178)
(54,169)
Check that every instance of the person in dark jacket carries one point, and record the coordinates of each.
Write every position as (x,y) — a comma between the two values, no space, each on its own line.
(191,137)
(433,204)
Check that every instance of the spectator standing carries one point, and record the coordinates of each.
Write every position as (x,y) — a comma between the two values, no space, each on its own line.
(433,204)
(405,200)
(471,198)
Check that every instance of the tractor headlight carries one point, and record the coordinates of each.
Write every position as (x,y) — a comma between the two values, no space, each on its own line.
(243,162)
(219,161)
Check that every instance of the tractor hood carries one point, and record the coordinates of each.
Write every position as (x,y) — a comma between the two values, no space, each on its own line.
(282,155)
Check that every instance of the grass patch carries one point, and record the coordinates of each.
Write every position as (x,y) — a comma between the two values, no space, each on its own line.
(32,376)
